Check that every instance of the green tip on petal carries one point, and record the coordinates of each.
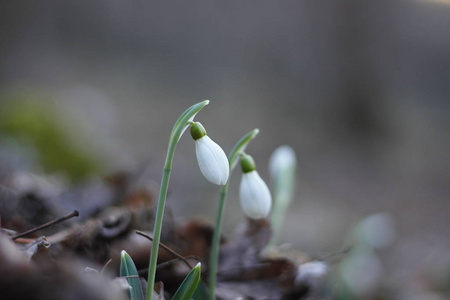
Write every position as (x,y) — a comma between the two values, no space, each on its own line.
(197,131)
(247,163)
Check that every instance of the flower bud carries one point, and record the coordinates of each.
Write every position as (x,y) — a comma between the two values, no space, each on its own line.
(211,158)
(254,194)
(282,160)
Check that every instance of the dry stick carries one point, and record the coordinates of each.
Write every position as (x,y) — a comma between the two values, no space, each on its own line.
(328,256)
(168,262)
(106,265)
(75,213)
(166,248)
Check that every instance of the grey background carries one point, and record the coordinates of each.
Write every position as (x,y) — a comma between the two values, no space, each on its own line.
(360,89)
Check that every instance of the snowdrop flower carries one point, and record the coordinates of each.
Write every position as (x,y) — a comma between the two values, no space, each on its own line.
(211,159)
(254,194)
(282,167)
(282,160)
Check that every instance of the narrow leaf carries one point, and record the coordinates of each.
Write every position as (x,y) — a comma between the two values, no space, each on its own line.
(240,147)
(189,284)
(183,121)
(201,293)
(128,269)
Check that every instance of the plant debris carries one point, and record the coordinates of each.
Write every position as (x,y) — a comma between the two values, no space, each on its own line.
(55,265)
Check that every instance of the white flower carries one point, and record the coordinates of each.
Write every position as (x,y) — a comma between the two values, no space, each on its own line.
(281,160)
(254,195)
(212,160)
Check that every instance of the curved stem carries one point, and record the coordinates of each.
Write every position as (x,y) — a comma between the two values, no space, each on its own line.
(214,256)
(178,129)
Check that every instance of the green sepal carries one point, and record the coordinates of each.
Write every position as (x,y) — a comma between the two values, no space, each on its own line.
(197,131)
(128,269)
(189,284)
(247,163)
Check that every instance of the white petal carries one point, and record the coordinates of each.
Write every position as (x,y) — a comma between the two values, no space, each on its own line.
(254,195)
(212,161)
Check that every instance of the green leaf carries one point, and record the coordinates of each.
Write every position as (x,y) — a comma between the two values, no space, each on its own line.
(201,293)
(128,269)
(189,284)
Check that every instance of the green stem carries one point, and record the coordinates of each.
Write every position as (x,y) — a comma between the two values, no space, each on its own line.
(178,129)
(214,257)
(282,196)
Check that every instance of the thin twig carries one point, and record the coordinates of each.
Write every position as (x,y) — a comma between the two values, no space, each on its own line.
(75,213)
(106,265)
(328,256)
(166,248)
(168,262)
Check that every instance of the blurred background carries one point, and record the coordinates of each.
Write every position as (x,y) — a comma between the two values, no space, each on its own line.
(360,89)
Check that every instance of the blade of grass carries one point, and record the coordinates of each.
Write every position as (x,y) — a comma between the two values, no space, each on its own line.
(189,284)
(128,270)
(201,293)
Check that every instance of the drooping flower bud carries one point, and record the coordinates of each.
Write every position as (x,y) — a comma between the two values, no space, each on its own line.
(282,168)
(254,194)
(212,160)
(282,160)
